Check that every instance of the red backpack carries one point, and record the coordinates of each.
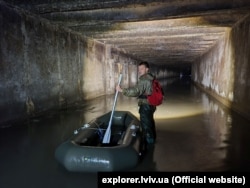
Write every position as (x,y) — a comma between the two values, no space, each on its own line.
(156,98)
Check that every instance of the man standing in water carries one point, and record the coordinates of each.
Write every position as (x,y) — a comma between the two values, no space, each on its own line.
(146,111)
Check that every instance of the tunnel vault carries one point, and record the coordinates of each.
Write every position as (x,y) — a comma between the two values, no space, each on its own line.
(164,33)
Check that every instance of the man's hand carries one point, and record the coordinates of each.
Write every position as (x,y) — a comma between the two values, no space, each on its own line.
(118,88)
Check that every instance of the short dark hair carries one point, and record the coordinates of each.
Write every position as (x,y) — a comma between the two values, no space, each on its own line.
(145,63)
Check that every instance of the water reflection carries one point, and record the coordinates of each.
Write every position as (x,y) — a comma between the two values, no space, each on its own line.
(194,133)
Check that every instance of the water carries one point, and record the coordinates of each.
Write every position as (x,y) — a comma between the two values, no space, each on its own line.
(194,133)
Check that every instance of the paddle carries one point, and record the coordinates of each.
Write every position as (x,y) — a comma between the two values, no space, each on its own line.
(106,138)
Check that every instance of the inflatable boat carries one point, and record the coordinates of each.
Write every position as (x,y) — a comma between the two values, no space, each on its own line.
(85,151)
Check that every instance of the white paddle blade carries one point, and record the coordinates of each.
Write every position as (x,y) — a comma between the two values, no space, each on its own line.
(106,138)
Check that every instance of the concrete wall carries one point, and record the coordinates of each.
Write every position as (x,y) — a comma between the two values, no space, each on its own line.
(222,71)
(40,65)
(44,67)
(241,49)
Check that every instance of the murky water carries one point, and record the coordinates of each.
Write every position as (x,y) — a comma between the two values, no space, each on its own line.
(194,133)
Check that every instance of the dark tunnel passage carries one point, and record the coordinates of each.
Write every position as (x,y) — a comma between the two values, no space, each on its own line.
(59,49)
(59,64)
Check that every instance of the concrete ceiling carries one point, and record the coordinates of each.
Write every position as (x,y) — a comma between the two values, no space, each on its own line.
(173,33)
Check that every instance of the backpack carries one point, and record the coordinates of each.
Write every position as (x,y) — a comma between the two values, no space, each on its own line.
(156,97)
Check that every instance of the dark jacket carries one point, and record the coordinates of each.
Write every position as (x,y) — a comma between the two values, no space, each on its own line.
(141,89)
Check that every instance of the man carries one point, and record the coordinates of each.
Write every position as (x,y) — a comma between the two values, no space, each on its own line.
(146,111)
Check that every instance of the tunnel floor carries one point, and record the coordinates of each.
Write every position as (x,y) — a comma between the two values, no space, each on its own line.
(194,133)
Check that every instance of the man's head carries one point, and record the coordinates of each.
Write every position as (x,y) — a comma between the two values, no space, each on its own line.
(143,68)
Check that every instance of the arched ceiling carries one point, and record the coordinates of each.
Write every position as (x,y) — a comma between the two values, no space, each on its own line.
(173,33)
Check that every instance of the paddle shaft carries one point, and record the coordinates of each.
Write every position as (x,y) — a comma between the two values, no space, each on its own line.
(106,138)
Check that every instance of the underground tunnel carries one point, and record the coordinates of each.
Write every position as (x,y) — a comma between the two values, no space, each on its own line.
(53,51)
(57,55)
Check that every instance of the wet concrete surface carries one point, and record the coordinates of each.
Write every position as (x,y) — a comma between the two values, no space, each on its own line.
(194,133)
